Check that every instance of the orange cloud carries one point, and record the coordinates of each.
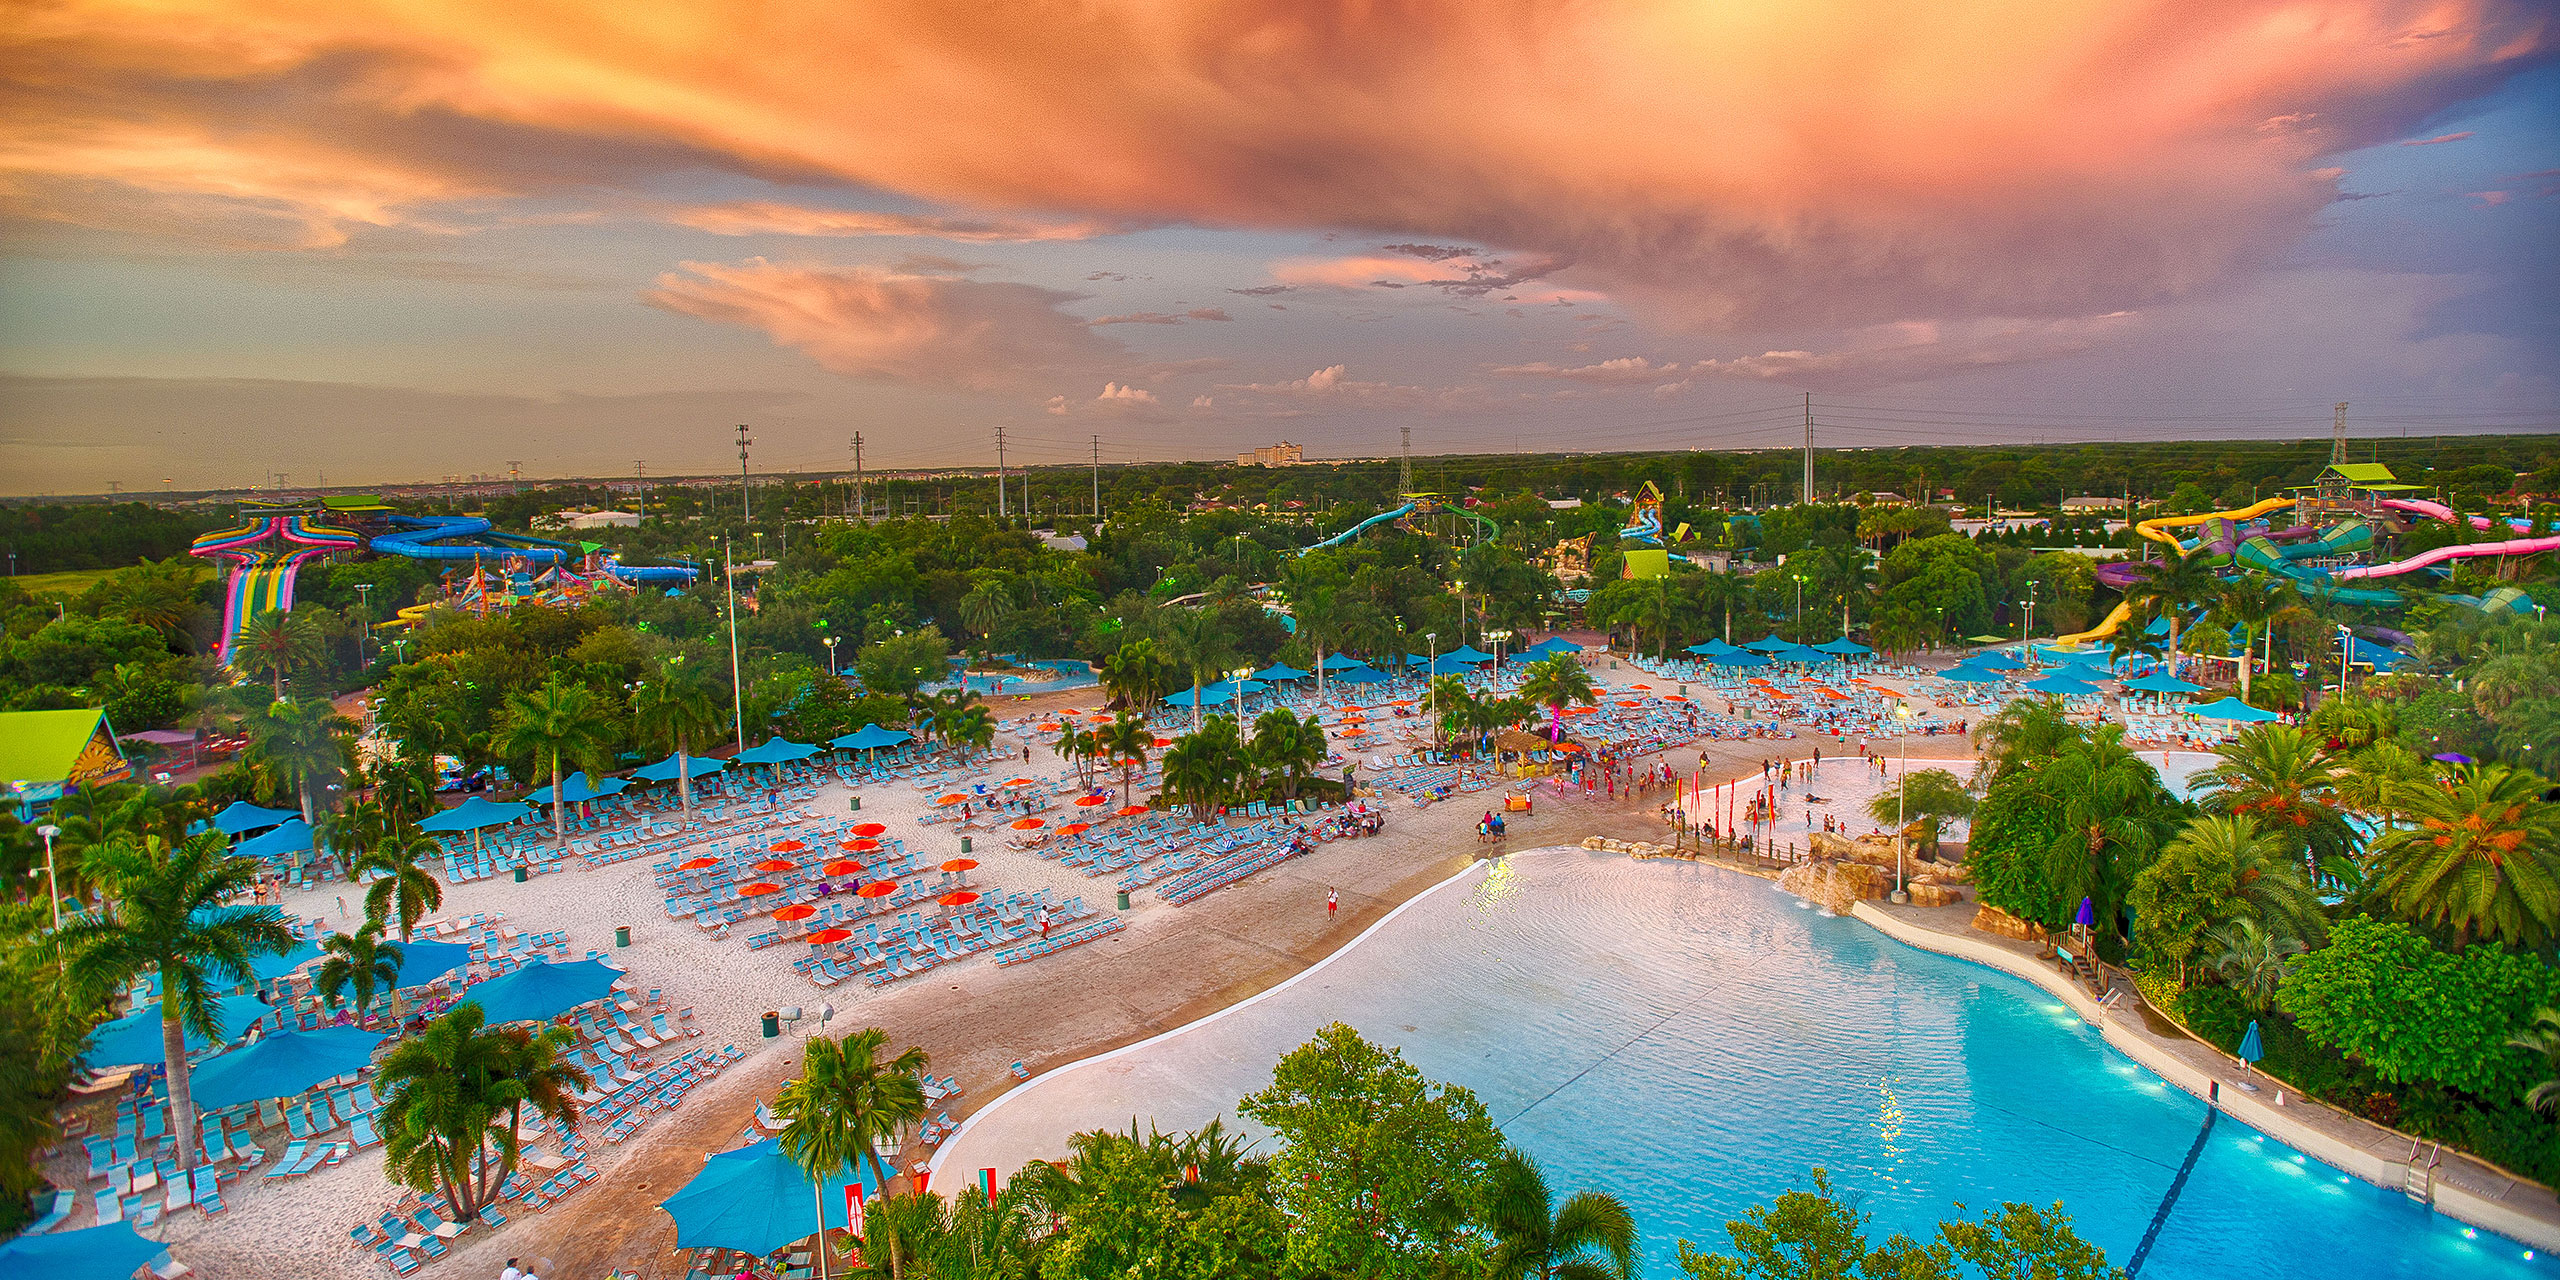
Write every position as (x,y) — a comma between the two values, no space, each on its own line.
(1724,164)
(766,217)
(928,330)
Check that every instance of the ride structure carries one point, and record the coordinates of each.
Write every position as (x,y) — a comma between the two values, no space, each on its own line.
(274,540)
(1415,515)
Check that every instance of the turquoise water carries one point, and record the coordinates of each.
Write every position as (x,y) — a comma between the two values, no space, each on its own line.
(1696,1041)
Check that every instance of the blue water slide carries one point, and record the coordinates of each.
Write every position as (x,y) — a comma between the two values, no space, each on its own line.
(1355,530)
(651,572)
(416,537)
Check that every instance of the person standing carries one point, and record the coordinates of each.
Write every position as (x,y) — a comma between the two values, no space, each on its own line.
(1332,903)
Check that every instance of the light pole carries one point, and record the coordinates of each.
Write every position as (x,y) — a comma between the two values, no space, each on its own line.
(53,886)
(737,691)
(364,605)
(1430,703)
(2027,636)
(830,643)
(1902,714)
(1497,637)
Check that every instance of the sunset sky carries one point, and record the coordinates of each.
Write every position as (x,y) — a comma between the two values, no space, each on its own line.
(387,240)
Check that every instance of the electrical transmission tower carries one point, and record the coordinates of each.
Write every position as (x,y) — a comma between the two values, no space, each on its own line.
(2338,435)
(861,508)
(746,500)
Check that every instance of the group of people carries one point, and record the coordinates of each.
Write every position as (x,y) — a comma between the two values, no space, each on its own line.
(1490,827)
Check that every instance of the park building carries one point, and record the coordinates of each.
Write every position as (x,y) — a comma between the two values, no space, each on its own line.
(1283,454)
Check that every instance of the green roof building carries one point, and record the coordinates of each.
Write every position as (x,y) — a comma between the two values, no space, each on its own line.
(45,753)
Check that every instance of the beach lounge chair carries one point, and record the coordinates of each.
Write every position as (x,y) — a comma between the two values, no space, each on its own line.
(362,1132)
(289,1164)
(208,1192)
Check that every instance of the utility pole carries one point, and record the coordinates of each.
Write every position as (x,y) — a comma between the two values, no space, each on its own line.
(746,501)
(641,470)
(1404,464)
(2338,437)
(737,691)
(1097,480)
(1808,448)
(1000,509)
(861,509)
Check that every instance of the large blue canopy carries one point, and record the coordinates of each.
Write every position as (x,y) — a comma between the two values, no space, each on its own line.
(1738,658)
(665,770)
(1550,645)
(1806,654)
(1468,653)
(475,813)
(1963,674)
(1769,644)
(2061,684)
(1213,696)
(2232,709)
(579,788)
(2160,682)
(1360,675)
(542,990)
(244,816)
(1844,647)
(272,966)
(774,751)
(756,1200)
(134,1039)
(112,1252)
(281,1065)
(1996,662)
(285,841)
(1448,664)
(870,736)
(423,961)
(1341,662)
(1281,671)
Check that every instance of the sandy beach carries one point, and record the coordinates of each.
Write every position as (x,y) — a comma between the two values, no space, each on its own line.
(1170,966)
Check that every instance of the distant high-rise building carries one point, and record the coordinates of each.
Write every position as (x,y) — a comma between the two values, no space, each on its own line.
(1283,454)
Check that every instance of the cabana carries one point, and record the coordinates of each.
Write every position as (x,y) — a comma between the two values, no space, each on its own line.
(242,817)
(2232,709)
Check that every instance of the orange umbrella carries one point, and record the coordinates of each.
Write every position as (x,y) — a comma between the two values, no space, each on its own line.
(1129,811)
(862,846)
(1355,718)
(878,889)
(789,846)
(824,936)
(1069,711)
(1673,697)
(1354,732)
(961,898)
(796,911)
(843,867)
(1048,726)
(759,889)
(1646,687)
(1401,702)
(869,829)
(949,800)
(961,864)
(1017,782)
(1028,824)
(697,864)
(1629,702)
(1087,802)
(1075,828)
(1164,742)
(777,864)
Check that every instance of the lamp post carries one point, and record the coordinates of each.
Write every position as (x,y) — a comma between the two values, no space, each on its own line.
(830,643)
(1497,637)
(53,886)
(1902,714)
(1430,703)
(1236,679)
(364,605)
(2027,636)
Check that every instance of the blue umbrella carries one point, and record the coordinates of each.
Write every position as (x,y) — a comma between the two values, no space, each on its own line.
(1969,675)
(2159,683)
(1769,644)
(1550,646)
(542,990)
(281,1065)
(2087,915)
(1996,662)
(1738,658)
(1468,653)
(475,813)
(272,966)
(1449,664)
(1281,671)
(1844,647)
(774,751)
(134,1039)
(244,816)
(1803,653)
(1360,675)
(665,770)
(2250,1048)
(423,962)
(111,1252)
(756,1200)
(1210,697)
(2232,709)
(284,842)
(870,736)
(1702,649)
(2063,685)
(1341,662)
(579,788)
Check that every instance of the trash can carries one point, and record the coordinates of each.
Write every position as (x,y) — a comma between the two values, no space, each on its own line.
(964,844)
(772,1024)
(1124,899)
(857,804)
(622,935)
(520,877)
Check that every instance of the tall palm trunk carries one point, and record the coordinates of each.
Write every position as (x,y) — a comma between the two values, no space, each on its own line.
(1195,700)
(684,776)
(559,803)
(182,1095)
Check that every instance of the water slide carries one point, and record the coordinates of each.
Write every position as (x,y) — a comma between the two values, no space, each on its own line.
(266,553)
(2458,551)
(2347,536)
(2439,511)
(638,573)
(417,535)
(2223,536)
(1357,529)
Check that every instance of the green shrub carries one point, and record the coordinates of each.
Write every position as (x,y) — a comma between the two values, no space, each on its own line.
(2215,1015)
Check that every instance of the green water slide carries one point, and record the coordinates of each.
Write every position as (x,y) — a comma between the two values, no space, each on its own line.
(2266,555)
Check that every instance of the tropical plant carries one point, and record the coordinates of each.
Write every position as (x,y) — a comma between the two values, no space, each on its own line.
(1133,675)
(2543,1040)
(986,609)
(1453,708)
(278,644)
(1201,767)
(1555,682)
(1126,741)
(303,746)
(1287,749)
(167,913)
(2482,860)
(1816,1235)
(2412,1011)
(1929,796)
(406,891)
(2285,778)
(454,1098)
(846,1101)
(2023,734)
(362,960)
(350,831)
(557,728)
(2218,870)
(1079,746)
(2251,959)
(1591,1236)
(1201,647)
(671,711)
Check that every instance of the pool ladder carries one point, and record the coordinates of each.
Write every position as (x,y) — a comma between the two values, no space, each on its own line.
(2418,1180)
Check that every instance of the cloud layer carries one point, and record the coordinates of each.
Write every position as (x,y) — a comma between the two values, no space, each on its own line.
(1779,164)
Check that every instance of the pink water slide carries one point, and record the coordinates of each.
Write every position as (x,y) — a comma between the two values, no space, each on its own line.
(2458,551)
(2439,511)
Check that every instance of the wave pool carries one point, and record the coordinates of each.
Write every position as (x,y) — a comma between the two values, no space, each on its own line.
(1695,1041)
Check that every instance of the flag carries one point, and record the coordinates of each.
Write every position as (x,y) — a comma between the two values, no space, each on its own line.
(987,1183)
(853,1208)
(922,1176)
(1191,1173)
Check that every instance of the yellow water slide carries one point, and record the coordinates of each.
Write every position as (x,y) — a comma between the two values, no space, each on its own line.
(2158,531)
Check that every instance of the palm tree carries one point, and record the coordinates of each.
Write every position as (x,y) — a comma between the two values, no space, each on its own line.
(847,1101)
(278,643)
(1287,749)
(2111,811)
(2283,776)
(2483,859)
(1133,675)
(1077,745)
(1202,647)
(1200,768)
(557,721)
(164,914)
(1453,708)
(673,709)
(1318,612)
(406,790)
(2268,887)
(362,960)
(453,1103)
(1591,1236)
(406,890)
(987,607)
(2168,586)
(1930,797)
(2544,1040)
(351,831)
(1555,681)
(1126,739)
(2021,735)
(305,745)
(2252,959)
(2258,612)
